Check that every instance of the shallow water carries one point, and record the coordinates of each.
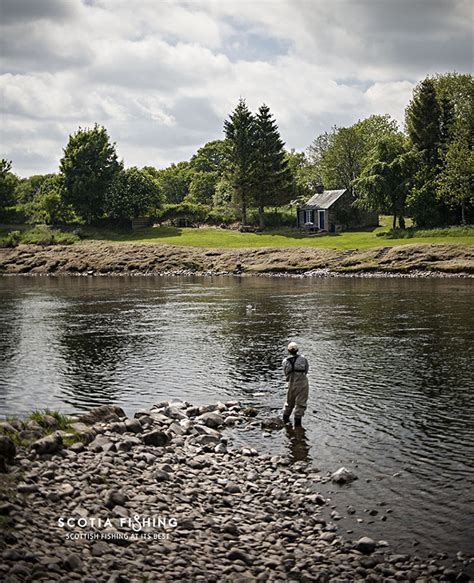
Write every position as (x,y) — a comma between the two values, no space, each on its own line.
(390,375)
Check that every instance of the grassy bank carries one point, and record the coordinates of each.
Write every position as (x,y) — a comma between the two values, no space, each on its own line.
(208,237)
(226,238)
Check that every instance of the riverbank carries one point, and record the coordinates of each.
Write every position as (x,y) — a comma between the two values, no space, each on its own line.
(153,258)
(164,496)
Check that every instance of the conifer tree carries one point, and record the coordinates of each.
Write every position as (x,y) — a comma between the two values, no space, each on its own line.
(240,132)
(273,178)
(423,122)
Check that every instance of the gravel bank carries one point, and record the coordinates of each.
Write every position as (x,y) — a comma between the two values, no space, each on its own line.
(154,258)
(164,497)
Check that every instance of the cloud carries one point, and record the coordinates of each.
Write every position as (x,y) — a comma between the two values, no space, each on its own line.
(163,76)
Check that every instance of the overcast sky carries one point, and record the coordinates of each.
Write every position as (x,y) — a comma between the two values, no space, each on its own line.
(162,76)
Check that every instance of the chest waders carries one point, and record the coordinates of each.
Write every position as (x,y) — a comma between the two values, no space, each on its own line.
(286,418)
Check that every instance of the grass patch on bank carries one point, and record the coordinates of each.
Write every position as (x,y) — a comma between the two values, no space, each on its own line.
(233,239)
(39,416)
(39,235)
(412,233)
(215,237)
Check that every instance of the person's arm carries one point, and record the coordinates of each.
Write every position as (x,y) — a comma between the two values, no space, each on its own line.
(306,368)
(286,368)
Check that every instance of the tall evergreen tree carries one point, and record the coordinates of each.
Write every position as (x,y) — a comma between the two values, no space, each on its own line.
(423,120)
(240,132)
(273,177)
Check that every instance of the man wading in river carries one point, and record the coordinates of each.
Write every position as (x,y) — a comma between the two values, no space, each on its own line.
(295,368)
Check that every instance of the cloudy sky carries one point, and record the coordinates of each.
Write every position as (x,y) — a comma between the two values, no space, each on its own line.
(162,76)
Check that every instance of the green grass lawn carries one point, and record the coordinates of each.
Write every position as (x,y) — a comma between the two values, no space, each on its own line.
(209,237)
(283,237)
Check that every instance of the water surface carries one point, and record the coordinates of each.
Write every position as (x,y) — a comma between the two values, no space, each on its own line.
(390,375)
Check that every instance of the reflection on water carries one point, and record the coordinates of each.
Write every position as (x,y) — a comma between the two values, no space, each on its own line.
(298,444)
(390,374)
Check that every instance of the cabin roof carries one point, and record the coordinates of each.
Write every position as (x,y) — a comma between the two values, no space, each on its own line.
(325,199)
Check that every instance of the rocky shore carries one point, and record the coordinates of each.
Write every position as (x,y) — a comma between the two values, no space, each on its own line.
(154,258)
(164,496)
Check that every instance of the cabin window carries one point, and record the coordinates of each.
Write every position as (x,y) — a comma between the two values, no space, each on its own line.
(308,216)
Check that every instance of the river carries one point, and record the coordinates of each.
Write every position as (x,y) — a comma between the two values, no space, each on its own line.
(390,376)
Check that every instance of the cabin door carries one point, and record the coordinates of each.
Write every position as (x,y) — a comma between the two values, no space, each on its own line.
(321,221)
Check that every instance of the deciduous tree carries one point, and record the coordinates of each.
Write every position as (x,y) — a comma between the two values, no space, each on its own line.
(89,166)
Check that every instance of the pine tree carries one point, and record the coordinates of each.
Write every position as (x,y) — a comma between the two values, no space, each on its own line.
(424,121)
(272,175)
(240,132)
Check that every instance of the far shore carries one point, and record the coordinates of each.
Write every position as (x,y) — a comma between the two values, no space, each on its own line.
(162,259)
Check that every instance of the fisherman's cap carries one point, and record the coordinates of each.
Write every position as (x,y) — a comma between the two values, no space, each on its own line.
(292,347)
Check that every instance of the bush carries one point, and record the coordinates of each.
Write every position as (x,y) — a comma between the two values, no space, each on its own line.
(44,235)
(13,239)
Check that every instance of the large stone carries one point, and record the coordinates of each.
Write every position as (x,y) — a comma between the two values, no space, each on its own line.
(102,413)
(50,422)
(365,545)
(343,476)
(133,425)
(157,438)
(49,444)
(7,448)
(7,427)
(210,419)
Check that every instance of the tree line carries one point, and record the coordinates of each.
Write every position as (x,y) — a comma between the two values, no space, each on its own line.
(425,172)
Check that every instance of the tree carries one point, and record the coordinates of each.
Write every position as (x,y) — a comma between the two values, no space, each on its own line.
(28,188)
(132,193)
(385,182)
(48,204)
(423,122)
(89,166)
(203,187)
(340,156)
(8,183)
(456,180)
(210,158)
(173,182)
(273,177)
(240,132)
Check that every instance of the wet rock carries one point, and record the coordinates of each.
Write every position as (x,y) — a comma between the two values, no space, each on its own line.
(343,476)
(365,545)
(273,423)
(212,420)
(49,444)
(156,438)
(7,448)
(102,413)
(250,412)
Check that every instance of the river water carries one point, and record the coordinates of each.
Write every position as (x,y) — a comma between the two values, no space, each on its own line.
(390,376)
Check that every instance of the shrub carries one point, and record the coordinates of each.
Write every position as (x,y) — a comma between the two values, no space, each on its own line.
(44,235)
(13,239)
